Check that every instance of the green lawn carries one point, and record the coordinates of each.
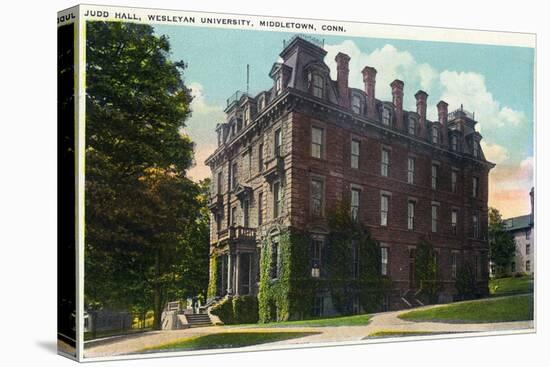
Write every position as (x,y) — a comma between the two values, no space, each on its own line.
(514,308)
(226,340)
(511,285)
(354,320)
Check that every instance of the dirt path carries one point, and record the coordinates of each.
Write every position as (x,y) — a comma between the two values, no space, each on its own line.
(378,322)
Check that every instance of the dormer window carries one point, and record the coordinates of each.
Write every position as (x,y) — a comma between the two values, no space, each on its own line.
(412,126)
(356,104)
(435,135)
(454,143)
(386,116)
(476,149)
(279,84)
(317,85)
(246,115)
(261,103)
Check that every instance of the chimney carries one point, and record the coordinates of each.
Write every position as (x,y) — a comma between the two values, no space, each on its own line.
(421,102)
(442,113)
(342,66)
(369,78)
(397,93)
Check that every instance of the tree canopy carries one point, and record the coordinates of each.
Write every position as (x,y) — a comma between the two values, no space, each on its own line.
(146,222)
(502,246)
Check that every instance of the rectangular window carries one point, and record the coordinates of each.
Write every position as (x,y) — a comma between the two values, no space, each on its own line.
(277,202)
(412,126)
(454,143)
(318,86)
(220,182)
(475,225)
(246,115)
(527,249)
(260,208)
(475,187)
(384,260)
(356,104)
(234,181)
(317,197)
(527,234)
(454,222)
(476,149)
(261,157)
(435,213)
(250,163)
(453,265)
(219,220)
(355,194)
(435,169)
(385,165)
(355,149)
(386,117)
(246,210)
(278,142)
(454,176)
(410,170)
(410,215)
(528,266)
(274,265)
(317,261)
(384,205)
(435,135)
(355,258)
(316,142)
(279,85)
(234,216)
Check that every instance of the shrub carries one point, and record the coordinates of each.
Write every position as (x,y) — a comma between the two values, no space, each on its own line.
(224,310)
(237,310)
(466,282)
(245,310)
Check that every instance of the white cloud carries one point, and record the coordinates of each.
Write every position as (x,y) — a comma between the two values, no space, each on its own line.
(494,153)
(201,128)
(469,89)
(390,64)
(456,88)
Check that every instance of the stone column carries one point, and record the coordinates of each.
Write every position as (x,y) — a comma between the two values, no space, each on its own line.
(229,275)
(237,274)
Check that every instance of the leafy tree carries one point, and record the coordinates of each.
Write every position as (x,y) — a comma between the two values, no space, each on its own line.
(466,281)
(426,270)
(502,247)
(145,220)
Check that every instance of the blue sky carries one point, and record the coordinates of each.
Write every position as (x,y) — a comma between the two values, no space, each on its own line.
(496,82)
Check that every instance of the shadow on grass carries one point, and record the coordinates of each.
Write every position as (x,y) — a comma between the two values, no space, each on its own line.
(226,340)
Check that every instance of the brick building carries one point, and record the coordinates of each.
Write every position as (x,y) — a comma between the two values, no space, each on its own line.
(288,155)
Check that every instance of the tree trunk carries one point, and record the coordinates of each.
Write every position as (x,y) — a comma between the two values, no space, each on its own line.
(157,295)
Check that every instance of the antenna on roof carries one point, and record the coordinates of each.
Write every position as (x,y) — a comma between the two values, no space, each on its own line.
(247,77)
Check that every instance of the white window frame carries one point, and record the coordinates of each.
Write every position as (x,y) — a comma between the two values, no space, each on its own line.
(317,85)
(385,163)
(355,203)
(454,222)
(317,147)
(435,174)
(277,199)
(386,116)
(355,153)
(435,135)
(384,209)
(384,260)
(411,163)
(411,208)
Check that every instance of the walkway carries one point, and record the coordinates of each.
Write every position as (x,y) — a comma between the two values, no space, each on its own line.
(387,321)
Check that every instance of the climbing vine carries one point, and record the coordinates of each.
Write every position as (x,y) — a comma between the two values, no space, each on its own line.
(426,271)
(290,293)
(353,264)
(213,281)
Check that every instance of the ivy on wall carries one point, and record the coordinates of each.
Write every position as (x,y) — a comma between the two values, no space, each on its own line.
(237,310)
(213,281)
(290,294)
(363,280)
(426,271)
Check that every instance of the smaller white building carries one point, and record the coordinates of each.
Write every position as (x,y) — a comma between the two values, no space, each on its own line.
(521,229)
